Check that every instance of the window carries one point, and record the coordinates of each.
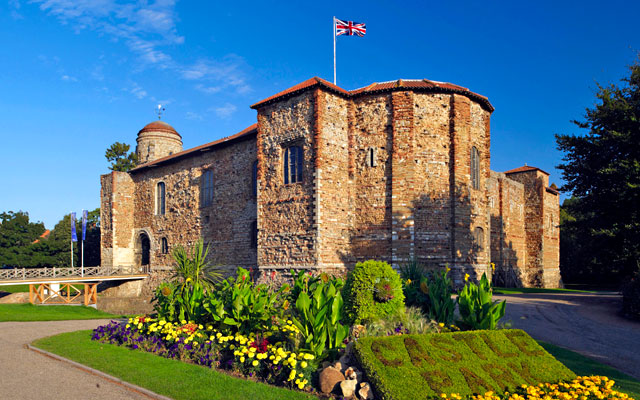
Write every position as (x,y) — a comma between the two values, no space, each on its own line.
(475,168)
(254,178)
(160,198)
(478,235)
(164,245)
(206,188)
(371,157)
(293,164)
(254,234)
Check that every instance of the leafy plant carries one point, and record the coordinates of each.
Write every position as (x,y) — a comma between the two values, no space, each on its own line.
(477,310)
(193,277)
(361,292)
(319,311)
(243,306)
(439,290)
(410,321)
(413,274)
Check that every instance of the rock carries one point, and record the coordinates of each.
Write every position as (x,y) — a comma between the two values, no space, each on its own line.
(365,391)
(351,373)
(329,378)
(338,366)
(15,298)
(326,364)
(348,388)
(345,360)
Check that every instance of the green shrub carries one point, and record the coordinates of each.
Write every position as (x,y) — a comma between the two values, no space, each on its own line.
(408,367)
(413,274)
(373,290)
(631,297)
(429,290)
(193,278)
(411,320)
(476,308)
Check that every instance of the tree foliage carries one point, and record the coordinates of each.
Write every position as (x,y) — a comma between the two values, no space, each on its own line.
(120,157)
(16,235)
(602,171)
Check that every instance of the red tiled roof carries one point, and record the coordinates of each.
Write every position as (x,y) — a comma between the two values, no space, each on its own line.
(44,235)
(245,132)
(159,126)
(400,84)
(525,168)
(293,90)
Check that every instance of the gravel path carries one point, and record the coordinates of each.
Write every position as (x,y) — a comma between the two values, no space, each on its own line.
(29,375)
(586,323)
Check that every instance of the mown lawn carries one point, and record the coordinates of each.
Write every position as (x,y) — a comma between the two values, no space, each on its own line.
(30,312)
(582,365)
(171,378)
(500,290)
(14,288)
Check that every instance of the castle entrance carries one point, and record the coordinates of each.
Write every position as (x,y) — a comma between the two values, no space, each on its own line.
(143,249)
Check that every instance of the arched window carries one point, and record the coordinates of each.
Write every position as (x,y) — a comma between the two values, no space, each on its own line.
(293,164)
(254,178)
(164,245)
(478,235)
(254,234)
(475,168)
(160,198)
(206,186)
(371,157)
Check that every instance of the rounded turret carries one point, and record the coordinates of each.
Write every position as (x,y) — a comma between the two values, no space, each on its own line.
(156,140)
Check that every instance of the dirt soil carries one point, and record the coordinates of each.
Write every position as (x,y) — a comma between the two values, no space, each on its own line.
(589,324)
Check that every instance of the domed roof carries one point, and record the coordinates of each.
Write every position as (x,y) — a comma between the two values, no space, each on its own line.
(159,126)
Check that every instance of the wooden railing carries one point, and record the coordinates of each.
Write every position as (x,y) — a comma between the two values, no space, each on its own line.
(69,272)
(66,293)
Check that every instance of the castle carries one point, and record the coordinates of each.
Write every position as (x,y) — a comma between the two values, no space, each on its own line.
(395,171)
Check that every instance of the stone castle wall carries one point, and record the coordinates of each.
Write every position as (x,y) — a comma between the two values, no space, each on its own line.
(386,176)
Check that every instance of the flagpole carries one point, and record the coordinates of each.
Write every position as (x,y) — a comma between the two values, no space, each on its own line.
(334,50)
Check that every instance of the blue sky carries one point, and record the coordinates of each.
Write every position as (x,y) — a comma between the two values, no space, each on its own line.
(78,75)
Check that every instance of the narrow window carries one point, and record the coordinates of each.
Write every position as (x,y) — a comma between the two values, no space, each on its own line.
(254,234)
(164,245)
(478,234)
(293,164)
(475,168)
(254,178)
(371,157)
(207,188)
(160,200)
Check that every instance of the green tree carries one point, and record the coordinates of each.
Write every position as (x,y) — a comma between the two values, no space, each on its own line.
(55,250)
(120,157)
(602,171)
(17,233)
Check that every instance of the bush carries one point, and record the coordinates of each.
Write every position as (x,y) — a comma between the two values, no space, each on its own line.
(477,310)
(429,290)
(413,274)
(373,291)
(411,321)
(631,297)
(407,367)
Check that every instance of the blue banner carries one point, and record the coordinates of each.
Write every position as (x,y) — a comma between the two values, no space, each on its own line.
(74,237)
(84,224)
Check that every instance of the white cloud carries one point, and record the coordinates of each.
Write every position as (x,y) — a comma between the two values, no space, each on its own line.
(137,91)
(224,111)
(14,5)
(193,116)
(68,78)
(208,89)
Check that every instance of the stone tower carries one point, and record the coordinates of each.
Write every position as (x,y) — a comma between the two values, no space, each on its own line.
(156,140)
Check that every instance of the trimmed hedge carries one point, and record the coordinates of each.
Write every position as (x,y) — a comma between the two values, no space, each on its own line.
(408,367)
(373,290)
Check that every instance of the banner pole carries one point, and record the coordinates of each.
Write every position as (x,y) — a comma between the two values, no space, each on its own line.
(82,252)
(334,50)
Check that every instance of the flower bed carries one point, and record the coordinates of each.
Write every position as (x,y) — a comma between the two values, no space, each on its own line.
(268,356)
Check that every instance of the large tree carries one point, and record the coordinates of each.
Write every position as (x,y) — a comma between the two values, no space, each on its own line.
(602,171)
(17,233)
(120,157)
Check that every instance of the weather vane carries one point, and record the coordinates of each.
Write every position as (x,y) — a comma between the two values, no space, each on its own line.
(160,111)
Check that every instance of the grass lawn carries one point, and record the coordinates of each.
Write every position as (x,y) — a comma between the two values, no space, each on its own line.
(171,378)
(499,290)
(582,365)
(15,288)
(30,312)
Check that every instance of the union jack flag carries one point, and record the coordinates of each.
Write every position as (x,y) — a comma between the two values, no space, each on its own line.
(350,28)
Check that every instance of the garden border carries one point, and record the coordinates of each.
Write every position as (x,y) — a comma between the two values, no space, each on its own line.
(92,371)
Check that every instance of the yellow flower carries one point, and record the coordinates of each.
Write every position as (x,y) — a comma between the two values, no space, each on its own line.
(255,363)
(466,277)
(408,281)
(242,359)
(303,364)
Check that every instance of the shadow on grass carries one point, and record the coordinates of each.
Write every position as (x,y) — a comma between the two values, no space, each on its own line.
(171,378)
(30,312)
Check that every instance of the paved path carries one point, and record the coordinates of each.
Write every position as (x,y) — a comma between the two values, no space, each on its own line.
(27,375)
(586,323)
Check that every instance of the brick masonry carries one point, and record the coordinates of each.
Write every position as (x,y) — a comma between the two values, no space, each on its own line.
(386,175)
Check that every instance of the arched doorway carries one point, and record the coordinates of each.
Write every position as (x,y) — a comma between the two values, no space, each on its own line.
(143,249)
